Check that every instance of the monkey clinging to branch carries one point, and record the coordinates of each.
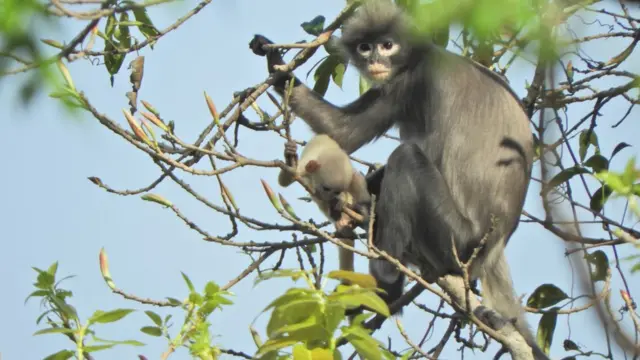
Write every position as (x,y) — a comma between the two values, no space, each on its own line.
(465,156)
(335,183)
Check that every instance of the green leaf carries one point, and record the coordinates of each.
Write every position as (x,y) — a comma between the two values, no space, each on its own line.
(54,330)
(196,298)
(151,330)
(102,317)
(565,175)
(569,345)
(331,67)
(352,297)
(363,85)
(125,36)
(110,26)
(211,289)
(53,269)
(188,281)
(601,263)
(96,348)
(154,317)
(363,280)
(407,5)
(119,342)
(315,26)
(300,352)
(334,313)
(130,23)
(614,181)
(67,309)
(441,36)
(275,344)
(37,293)
(307,330)
(366,346)
(174,302)
(112,61)
(148,29)
(322,76)
(631,174)
(44,280)
(338,73)
(599,198)
(546,328)
(597,163)
(588,137)
(546,295)
(42,316)
(324,354)
(255,336)
(292,313)
(61,355)
(618,148)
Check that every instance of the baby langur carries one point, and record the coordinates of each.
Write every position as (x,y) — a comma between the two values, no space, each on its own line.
(327,170)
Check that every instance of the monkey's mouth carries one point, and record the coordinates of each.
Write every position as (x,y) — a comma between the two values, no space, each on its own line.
(379,74)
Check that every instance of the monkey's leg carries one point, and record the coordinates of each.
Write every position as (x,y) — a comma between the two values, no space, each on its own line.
(415,209)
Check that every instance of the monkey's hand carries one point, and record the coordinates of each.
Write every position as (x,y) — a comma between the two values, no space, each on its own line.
(273,55)
(344,226)
(362,209)
(291,153)
(256,44)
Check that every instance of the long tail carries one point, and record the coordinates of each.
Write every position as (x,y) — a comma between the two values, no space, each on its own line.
(345,256)
(498,294)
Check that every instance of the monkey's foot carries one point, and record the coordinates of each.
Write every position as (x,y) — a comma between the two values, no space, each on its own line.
(291,153)
(256,44)
(490,317)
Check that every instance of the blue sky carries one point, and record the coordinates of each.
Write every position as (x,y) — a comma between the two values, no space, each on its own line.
(51,212)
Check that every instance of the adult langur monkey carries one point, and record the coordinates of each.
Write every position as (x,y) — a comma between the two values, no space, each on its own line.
(465,156)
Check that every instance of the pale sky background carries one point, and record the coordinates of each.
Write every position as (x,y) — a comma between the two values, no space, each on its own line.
(51,212)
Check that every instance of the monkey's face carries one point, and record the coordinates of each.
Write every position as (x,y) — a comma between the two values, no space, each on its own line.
(376,59)
(327,192)
(330,184)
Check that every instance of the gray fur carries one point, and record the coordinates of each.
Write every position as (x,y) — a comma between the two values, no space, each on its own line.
(466,155)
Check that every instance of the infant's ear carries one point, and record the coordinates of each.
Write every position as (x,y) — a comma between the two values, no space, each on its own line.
(312,166)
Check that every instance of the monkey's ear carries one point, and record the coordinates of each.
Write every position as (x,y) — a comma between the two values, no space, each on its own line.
(312,166)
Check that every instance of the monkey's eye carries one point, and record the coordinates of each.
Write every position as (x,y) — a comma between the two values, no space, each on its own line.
(364,48)
(387,45)
(326,188)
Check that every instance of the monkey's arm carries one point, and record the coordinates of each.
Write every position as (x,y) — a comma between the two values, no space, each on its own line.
(351,126)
